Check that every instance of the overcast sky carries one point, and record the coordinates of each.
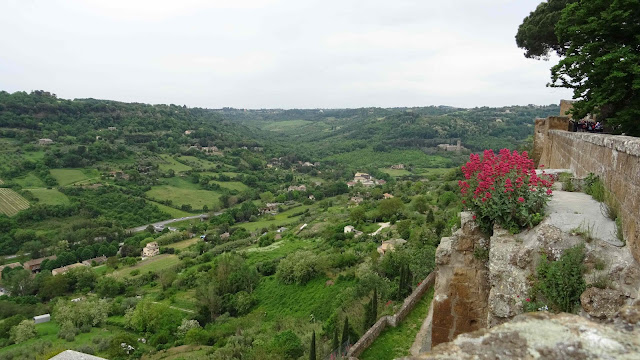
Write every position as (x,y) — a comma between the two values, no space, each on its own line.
(274,53)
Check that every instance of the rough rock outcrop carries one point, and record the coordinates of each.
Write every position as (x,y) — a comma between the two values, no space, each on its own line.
(462,288)
(542,335)
(602,303)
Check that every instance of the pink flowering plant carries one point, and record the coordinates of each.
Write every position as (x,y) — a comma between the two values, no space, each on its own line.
(504,188)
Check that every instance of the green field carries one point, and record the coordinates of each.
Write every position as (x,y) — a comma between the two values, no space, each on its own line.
(365,158)
(396,342)
(71,176)
(184,243)
(283,126)
(50,196)
(277,300)
(276,250)
(153,264)
(433,171)
(180,196)
(277,220)
(395,173)
(232,185)
(169,163)
(197,161)
(176,213)
(11,202)
(29,181)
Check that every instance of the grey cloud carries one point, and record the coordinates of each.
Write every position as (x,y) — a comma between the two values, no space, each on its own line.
(273,53)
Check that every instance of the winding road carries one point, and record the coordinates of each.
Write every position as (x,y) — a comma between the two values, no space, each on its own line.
(167,222)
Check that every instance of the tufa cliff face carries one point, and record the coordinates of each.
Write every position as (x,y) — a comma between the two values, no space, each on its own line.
(460,302)
(484,282)
(542,335)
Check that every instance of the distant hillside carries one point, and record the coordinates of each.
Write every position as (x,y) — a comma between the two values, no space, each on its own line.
(40,114)
(320,133)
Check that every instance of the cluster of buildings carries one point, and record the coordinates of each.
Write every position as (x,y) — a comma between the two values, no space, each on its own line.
(390,245)
(150,250)
(366,180)
(350,229)
(270,208)
(35,265)
(205,149)
(297,188)
(447,147)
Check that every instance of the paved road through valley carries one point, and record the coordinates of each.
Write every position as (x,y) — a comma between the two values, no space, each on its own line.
(167,222)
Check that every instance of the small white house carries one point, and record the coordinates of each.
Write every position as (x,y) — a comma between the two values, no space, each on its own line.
(42,318)
(349,229)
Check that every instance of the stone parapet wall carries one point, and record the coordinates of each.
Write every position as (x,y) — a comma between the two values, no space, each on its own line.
(394,320)
(541,133)
(615,159)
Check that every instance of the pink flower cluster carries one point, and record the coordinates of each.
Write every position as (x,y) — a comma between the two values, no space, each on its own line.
(496,185)
(498,170)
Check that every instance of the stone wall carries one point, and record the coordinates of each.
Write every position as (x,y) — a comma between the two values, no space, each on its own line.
(394,320)
(615,159)
(565,106)
(462,286)
(541,133)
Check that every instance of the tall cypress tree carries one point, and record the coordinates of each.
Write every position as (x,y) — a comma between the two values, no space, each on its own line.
(401,284)
(408,281)
(368,315)
(345,332)
(374,306)
(312,351)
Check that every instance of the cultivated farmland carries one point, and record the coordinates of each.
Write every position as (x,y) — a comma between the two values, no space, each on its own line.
(11,202)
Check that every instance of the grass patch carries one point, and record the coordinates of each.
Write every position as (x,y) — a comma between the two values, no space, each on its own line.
(50,196)
(183,300)
(395,172)
(175,213)
(169,163)
(432,171)
(153,264)
(29,181)
(11,202)
(365,158)
(277,220)
(100,270)
(232,185)
(287,125)
(277,300)
(197,161)
(71,176)
(181,196)
(184,243)
(396,342)
(276,250)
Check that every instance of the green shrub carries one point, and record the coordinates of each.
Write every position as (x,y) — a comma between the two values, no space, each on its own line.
(560,282)
(299,267)
(594,187)
(288,344)
(87,349)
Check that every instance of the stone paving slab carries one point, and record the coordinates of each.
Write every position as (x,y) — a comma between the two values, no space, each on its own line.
(574,210)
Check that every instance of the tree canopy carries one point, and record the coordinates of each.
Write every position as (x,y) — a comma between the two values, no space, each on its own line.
(599,42)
